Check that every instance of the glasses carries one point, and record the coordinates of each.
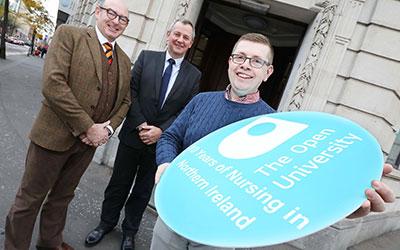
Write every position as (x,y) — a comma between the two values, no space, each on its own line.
(112,15)
(254,61)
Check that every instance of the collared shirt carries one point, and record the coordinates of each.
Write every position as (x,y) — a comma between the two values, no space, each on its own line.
(102,39)
(174,74)
(247,99)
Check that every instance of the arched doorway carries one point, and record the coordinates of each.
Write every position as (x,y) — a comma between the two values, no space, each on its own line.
(219,26)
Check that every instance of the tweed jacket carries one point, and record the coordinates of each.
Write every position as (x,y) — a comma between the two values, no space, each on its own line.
(72,78)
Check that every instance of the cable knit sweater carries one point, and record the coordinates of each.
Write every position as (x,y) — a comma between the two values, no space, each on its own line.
(204,114)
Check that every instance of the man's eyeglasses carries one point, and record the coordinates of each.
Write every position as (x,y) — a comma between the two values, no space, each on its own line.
(112,15)
(254,61)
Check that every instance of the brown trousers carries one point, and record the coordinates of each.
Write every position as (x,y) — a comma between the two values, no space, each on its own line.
(50,174)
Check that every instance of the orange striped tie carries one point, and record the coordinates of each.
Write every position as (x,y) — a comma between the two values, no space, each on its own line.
(109,52)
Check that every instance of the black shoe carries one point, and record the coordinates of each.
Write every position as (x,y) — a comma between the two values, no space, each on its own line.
(96,235)
(128,243)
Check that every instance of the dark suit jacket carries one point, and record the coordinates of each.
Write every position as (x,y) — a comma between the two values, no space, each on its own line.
(145,86)
(72,78)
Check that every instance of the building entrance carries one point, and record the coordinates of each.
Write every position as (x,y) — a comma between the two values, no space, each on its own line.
(219,26)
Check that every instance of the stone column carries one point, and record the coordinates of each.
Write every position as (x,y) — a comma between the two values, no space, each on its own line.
(307,75)
(350,70)
(334,77)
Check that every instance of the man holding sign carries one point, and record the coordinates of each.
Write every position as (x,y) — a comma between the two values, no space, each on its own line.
(249,66)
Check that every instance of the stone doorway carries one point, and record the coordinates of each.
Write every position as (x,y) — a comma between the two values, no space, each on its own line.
(221,23)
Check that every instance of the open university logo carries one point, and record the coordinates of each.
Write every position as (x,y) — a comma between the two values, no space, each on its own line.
(268,170)
(259,137)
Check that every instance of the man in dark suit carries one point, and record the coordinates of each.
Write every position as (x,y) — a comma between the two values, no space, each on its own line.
(162,84)
(86,96)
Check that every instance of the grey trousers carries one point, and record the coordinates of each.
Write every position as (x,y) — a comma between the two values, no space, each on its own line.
(166,239)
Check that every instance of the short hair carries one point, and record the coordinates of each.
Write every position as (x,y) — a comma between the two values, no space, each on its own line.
(184,22)
(101,2)
(257,38)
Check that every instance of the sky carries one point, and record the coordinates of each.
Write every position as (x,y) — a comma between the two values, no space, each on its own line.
(52,8)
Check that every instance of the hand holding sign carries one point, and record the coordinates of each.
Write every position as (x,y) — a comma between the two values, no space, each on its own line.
(271,179)
(160,170)
(376,197)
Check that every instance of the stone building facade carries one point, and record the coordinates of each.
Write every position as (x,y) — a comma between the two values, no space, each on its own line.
(335,56)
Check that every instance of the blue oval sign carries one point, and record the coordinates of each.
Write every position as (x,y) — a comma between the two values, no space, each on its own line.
(268,179)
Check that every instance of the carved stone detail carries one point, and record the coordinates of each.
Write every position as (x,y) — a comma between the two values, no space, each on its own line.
(319,39)
(181,11)
(323,4)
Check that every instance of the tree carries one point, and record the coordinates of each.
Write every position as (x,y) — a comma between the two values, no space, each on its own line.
(13,17)
(1,8)
(37,17)
(4,30)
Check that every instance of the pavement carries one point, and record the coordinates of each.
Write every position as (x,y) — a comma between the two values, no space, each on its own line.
(20,97)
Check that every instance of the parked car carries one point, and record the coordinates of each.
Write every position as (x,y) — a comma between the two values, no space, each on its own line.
(9,39)
(14,40)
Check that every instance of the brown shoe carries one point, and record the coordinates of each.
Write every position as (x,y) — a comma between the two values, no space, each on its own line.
(64,246)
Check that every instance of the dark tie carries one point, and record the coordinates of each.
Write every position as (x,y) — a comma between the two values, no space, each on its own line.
(164,82)
(109,52)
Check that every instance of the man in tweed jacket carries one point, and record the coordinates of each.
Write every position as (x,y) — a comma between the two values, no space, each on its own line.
(86,96)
